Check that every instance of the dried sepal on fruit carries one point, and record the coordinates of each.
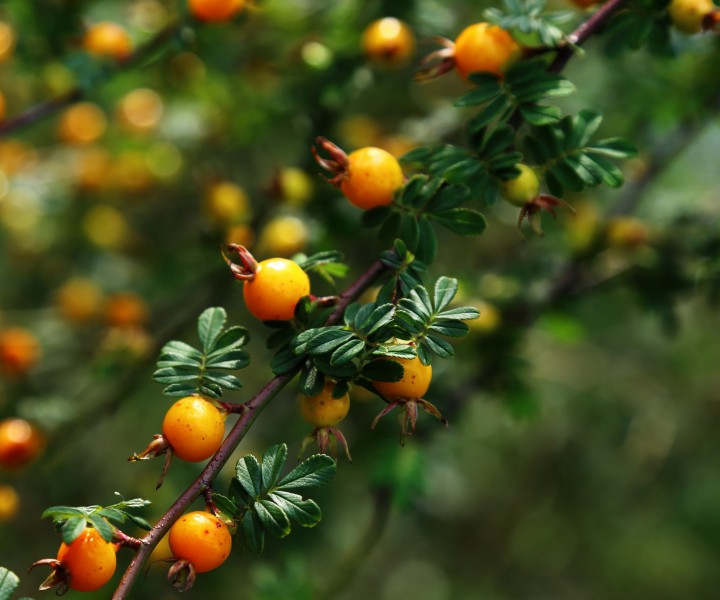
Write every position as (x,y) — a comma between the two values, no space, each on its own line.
(368,177)
(271,288)
(324,412)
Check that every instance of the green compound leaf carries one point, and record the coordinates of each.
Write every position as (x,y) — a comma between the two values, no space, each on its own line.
(383,370)
(72,528)
(210,325)
(186,370)
(571,162)
(272,518)
(272,464)
(304,512)
(445,290)
(249,474)
(253,532)
(315,470)
(464,221)
(8,583)
(531,19)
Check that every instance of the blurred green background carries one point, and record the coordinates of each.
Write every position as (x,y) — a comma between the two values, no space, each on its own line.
(581,460)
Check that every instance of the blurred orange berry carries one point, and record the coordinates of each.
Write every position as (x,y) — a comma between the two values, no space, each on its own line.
(9,502)
(389,42)
(108,39)
(126,309)
(81,124)
(19,350)
(20,443)
(284,236)
(7,41)
(215,11)
(227,202)
(79,300)
(140,110)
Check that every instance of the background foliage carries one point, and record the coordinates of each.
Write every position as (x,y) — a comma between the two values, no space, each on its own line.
(581,459)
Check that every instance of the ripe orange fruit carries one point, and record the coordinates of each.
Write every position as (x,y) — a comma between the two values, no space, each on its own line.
(202,539)
(276,289)
(388,41)
(20,443)
(414,383)
(19,350)
(373,176)
(194,428)
(89,559)
(487,48)
(108,39)
(215,11)
(322,410)
(126,309)
(687,15)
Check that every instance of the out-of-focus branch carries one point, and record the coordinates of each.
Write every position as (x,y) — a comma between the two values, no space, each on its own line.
(49,107)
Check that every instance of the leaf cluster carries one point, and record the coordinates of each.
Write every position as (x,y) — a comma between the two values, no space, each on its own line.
(72,520)
(263,501)
(420,202)
(371,333)
(529,18)
(187,370)
(570,160)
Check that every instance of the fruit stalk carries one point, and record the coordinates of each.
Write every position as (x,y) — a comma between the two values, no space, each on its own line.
(253,408)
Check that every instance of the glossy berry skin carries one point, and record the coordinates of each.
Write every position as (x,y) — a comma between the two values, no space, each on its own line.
(388,42)
(108,39)
(486,48)
(687,15)
(215,11)
(373,176)
(523,188)
(278,285)
(194,428)
(414,383)
(202,539)
(89,559)
(323,410)
(20,443)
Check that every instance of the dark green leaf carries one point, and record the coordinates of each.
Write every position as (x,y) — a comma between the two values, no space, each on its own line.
(396,351)
(480,95)
(463,221)
(175,375)
(232,338)
(349,350)
(285,361)
(225,505)
(383,370)
(311,381)
(72,528)
(235,359)
(410,231)
(450,328)
(210,326)
(428,245)
(181,348)
(102,526)
(439,346)
(8,583)
(304,512)
(585,124)
(249,474)
(389,228)
(272,464)
(445,290)
(381,316)
(226,380)
(253,532)
(316,470)
(613,148)
(536,114)
(273,518)
(376,216)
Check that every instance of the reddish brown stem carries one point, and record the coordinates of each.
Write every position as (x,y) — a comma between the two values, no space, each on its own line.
(254,407)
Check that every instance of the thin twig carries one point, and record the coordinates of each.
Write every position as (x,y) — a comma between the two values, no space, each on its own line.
(237,433)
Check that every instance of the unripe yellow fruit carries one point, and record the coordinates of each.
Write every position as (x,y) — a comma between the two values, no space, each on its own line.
(523,188)
(687,15)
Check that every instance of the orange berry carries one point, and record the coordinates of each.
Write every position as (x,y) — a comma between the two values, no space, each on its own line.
(89,559)
(140,110)
(215,11)
(373,176)
(687,15)
(487,48)
(322,410)
(7,41)
(9,502)
(108,39)
(194,428)
(275,290)
(20,443)
(388,42)
(19,350)
(125,309)
(202,539)
(414,383)
(81,124)
(79,300)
